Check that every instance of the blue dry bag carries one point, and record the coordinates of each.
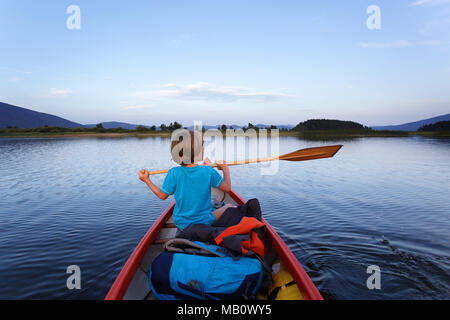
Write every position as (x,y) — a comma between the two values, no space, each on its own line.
(203,273)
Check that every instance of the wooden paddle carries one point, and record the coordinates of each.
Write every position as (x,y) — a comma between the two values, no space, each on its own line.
(299,155)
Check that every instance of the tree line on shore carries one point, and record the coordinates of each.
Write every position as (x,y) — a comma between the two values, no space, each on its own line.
(442,126)
(100,129)
(312,125)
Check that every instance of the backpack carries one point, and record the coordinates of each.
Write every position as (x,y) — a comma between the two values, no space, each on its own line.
(195,270)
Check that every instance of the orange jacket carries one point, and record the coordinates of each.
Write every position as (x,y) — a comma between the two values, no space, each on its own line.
(246,226)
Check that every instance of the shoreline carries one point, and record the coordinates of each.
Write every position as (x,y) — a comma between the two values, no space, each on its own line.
(310,135)
(85,135)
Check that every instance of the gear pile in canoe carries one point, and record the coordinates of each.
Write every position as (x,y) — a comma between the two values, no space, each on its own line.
(259,265)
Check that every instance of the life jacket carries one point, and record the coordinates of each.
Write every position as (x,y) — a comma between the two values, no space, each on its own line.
(243,237)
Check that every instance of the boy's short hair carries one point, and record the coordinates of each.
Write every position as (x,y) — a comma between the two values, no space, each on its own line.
(187,146)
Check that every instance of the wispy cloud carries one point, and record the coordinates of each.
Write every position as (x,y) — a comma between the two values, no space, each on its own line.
(429,2)
(435,25)
(135,107)
(401,44)
(206,91)
(60,92)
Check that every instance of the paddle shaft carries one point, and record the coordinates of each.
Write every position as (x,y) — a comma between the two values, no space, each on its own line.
(299,155)
(248,161)
(233,163)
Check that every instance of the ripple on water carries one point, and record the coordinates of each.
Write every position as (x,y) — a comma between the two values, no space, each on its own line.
(378,201)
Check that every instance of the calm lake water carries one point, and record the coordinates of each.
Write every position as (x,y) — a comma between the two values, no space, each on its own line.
(379,201)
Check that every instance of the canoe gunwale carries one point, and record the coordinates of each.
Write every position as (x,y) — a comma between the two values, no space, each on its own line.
(126,275)
(123,280)
(299,274)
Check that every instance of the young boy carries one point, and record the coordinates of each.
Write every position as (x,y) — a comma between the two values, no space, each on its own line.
(191,184)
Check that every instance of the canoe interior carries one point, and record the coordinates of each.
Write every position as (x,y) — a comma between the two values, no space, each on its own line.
(132,282)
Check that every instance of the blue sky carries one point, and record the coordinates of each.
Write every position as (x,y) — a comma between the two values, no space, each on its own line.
(228,62)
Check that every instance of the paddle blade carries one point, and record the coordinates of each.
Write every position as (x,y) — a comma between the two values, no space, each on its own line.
(311,153)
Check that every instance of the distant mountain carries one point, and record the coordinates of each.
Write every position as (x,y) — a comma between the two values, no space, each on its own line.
(25,118)
(414,126)
(13,116)
(115,125)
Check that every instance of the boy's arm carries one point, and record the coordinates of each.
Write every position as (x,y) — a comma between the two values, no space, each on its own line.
(226,184)
(145,177)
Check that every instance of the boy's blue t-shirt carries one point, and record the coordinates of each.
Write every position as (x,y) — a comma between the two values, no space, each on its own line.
(191,188)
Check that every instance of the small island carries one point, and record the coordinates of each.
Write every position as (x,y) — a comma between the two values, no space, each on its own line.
(325,129)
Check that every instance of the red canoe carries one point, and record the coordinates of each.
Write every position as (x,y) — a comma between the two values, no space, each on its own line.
(132,282)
